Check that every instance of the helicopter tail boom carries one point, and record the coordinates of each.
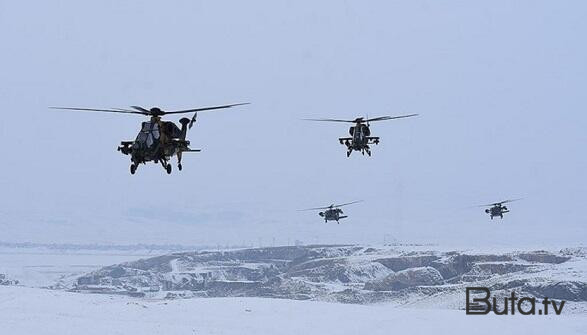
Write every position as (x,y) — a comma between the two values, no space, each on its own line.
(184,127)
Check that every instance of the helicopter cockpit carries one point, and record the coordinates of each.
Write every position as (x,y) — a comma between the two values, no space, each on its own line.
(149,135)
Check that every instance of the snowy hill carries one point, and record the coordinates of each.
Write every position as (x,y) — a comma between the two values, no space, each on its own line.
(410,276)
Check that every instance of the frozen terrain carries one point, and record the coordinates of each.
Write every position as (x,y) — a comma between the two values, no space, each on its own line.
(26,311)
(285,290)
(43,267)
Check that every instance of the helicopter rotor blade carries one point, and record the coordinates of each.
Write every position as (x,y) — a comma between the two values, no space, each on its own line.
(144,110)
(489,205)
(500,203)
(114,110)
(205,108)
(383,118)
(362,120)
(331,206)
(348,203)
(313,209)
(510,200)
(330,120)
(123,109)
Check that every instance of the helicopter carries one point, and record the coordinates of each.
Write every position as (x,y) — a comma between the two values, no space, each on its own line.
(498,209)
(158,141)
(360,133)
(332,212)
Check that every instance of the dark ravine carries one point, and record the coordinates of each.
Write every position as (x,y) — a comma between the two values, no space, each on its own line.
(348,274)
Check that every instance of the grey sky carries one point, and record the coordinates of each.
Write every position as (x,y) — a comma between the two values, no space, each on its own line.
(500,87)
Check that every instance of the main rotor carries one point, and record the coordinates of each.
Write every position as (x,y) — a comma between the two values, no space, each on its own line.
(152,112)
(361,120)
(500,203)
(333,206)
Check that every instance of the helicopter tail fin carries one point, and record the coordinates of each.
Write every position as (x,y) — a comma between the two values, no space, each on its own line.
(342,217)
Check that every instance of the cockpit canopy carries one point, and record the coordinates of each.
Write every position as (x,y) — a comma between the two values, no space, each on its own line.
(363,128)
(149,134)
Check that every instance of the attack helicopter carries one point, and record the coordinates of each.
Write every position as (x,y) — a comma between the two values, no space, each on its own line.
(332,212)
(498,209)
(361,138)
(158,141)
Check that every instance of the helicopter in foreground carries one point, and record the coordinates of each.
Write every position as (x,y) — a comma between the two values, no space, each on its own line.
(498,208)
(361,138)
(158,141)
(332,212)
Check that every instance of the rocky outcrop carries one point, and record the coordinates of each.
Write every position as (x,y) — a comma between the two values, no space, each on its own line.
(337,270)
(349,274)
(543,257)
(455,264)
(406,262)
(424,276)
(499,268)
(565,290)
(5,281)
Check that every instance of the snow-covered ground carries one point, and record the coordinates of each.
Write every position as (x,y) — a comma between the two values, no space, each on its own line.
(39,267)
(38,311)
(31,309)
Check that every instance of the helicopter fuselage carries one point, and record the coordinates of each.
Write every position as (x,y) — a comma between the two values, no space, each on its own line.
(157,141)
(497,210)
(332,214)
(360,139)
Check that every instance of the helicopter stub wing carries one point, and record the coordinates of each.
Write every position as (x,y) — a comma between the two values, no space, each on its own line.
(125,147)
(183,146)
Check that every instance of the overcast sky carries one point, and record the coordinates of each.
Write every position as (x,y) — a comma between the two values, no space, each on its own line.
(499,86)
